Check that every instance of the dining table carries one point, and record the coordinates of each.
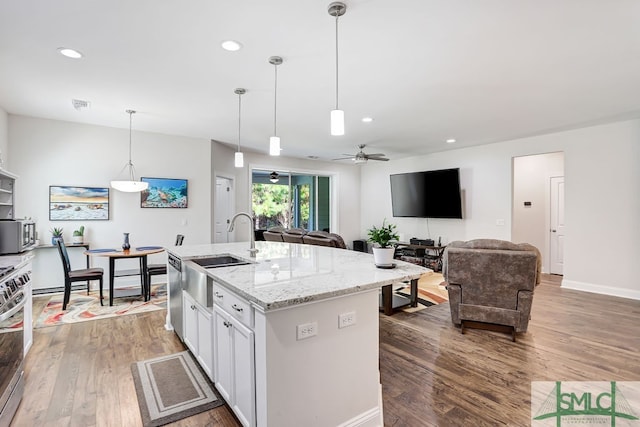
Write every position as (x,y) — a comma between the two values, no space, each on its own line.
(114,254)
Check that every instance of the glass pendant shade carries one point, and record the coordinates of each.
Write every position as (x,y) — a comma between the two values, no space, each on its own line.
(239,160)
(129,186)
(337,122)
(274,146)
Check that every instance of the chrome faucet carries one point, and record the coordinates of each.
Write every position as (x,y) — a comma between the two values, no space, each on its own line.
(252,250)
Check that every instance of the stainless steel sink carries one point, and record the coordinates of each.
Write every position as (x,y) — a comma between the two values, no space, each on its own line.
(220,261)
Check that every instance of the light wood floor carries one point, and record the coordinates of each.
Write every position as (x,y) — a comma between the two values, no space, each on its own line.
(79,375)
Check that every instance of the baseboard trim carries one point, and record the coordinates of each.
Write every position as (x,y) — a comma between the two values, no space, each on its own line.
(370,418)
(600,289)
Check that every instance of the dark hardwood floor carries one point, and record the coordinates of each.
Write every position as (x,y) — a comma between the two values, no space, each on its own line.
(79,375)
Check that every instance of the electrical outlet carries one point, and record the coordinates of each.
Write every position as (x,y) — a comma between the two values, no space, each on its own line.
(307,330)
(346,319)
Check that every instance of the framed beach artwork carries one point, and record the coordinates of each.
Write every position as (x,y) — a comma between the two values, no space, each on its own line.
(164,193)
(67,203)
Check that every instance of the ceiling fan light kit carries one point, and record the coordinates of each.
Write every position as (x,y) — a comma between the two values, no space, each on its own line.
(361,157)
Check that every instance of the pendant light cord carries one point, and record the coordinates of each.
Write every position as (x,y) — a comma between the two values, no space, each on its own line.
(275,101)
(239,117)
(131,170)
(337,15)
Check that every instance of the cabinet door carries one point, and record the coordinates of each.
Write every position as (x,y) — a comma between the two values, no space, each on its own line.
(243,359)
(190,322)
(222,353)
(205,340)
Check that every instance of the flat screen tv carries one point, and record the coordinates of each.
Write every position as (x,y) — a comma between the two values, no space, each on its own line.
(427,194)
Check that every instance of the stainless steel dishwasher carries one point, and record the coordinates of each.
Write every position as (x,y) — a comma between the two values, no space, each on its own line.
(176,285)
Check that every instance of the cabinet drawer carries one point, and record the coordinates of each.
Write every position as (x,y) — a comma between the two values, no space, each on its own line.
(233,304)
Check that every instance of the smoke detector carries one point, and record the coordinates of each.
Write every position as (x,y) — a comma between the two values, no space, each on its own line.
(80,104)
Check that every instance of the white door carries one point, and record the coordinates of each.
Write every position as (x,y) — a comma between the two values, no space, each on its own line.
(556,239)
(223,209)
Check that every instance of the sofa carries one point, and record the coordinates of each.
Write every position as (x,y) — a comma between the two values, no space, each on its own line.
(300,235)
(491,283)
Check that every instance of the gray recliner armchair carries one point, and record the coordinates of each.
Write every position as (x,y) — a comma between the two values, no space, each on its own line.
(491,283)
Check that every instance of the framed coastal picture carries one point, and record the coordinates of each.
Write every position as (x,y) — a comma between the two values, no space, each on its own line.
(164,193)
(72,203)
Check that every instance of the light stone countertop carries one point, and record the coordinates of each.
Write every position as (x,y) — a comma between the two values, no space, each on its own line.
(286,274)
(15,261)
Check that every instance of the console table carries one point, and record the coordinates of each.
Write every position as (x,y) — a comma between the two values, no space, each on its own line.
(432,257)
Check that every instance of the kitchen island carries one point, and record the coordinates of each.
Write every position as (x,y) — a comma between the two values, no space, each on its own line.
(291,337)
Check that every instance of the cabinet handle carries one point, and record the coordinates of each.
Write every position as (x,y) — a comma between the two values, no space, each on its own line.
(236,308)
(218,295)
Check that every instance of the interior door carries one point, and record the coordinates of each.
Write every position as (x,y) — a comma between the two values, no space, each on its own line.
(223,209)
(556,238)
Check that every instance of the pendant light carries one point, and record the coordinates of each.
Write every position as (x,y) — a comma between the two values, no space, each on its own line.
(130,185)
(239,159)
(274,141)
(274,177)
(337,9)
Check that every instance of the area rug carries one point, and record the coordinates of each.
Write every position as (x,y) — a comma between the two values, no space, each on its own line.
(83,307)
(430,291)
(170,388)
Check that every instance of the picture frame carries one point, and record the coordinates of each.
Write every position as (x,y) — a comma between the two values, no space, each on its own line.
(165,193)
(78,203)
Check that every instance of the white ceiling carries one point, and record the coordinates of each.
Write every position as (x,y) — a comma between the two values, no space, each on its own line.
(425,70)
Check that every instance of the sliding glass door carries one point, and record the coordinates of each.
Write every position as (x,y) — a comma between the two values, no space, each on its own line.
(291,199)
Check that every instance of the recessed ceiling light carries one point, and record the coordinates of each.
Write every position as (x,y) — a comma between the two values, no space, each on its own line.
(313,157)
(231,45)
(367,119)
(70,53)
(451,141)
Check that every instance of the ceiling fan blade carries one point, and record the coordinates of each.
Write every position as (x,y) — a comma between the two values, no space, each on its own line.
(375,155)
(345,158)
(384,159)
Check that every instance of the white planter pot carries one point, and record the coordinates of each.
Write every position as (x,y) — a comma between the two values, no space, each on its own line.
(383,256)
(77,239)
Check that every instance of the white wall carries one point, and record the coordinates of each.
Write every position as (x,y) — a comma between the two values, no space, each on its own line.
(346,179)
(602,201)
(49,152)
(531,183)
(4,140)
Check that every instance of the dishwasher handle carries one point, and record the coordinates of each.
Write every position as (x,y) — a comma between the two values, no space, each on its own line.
(175,262)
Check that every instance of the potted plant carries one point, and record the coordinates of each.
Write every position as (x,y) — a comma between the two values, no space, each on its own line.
(382,237)
(78,235)
(56,234)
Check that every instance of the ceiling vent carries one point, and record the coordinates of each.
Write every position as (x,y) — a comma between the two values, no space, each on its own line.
(80,104)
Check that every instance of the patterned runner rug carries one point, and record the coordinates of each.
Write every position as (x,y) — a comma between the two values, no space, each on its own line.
(83,307)
(170,388)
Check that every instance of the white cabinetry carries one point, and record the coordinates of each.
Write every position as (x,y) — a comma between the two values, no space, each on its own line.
(198,332)
(234,359)
(7,181)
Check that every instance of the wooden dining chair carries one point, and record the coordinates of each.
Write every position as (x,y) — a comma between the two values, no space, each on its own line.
(159,269)
(70,276)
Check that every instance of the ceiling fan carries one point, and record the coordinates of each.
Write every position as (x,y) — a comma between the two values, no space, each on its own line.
(362,157)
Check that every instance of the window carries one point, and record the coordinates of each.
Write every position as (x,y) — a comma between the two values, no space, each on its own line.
(293,200)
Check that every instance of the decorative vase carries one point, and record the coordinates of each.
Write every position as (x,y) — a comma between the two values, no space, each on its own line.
(126,246)
(77,239)
(383,256)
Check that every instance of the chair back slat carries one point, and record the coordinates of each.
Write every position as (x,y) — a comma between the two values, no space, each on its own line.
(64,256)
